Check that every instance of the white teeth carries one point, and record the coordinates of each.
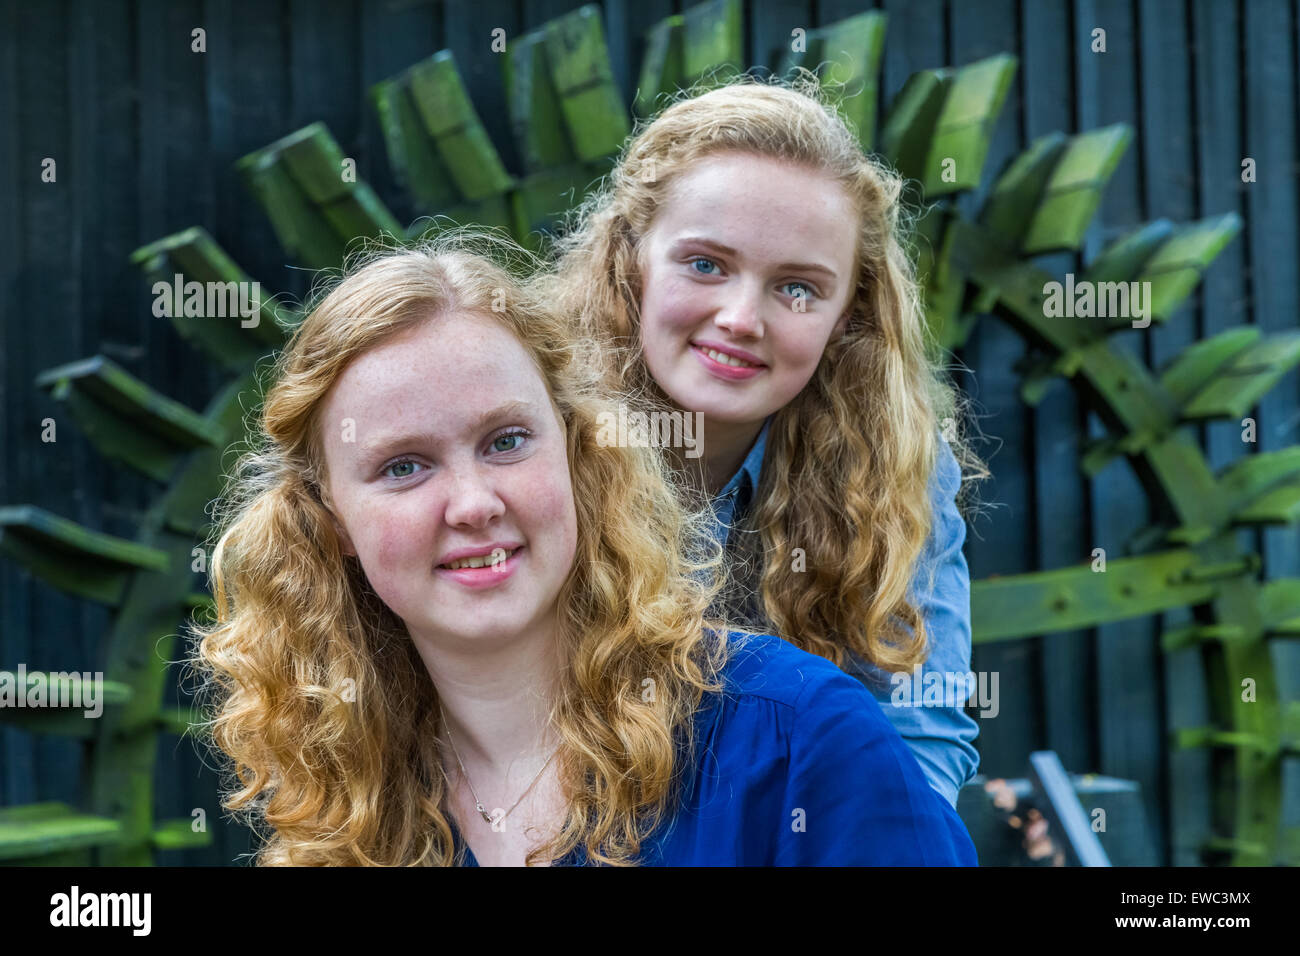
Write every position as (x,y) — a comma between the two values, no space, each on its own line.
(477,561)
(727,359)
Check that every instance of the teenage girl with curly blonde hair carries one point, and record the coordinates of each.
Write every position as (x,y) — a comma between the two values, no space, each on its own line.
(746,261)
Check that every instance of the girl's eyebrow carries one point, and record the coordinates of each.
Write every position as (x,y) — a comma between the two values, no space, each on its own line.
(505,410)
(381,442)
(728,251)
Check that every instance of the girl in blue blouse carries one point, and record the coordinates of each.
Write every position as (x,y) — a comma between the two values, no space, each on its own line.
(744,264)
(456,627)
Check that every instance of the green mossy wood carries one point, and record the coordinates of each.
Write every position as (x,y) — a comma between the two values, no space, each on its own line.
(568,119)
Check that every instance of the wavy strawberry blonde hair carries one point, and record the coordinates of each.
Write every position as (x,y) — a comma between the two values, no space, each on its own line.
(849,459)
(330,777)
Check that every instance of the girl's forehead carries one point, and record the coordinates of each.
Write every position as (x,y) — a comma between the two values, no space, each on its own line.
(439,359)
(730,163)
(785,210)
(421,390)
(753,187)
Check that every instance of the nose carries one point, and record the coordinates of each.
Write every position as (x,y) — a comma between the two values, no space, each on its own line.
(472,500)
(742,313)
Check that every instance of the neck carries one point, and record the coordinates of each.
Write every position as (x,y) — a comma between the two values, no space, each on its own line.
(497,700)
(725,448)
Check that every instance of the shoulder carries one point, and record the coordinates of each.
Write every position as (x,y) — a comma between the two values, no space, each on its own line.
(946,479)
(814,696)
(943,546)
(825,774)
(767,667)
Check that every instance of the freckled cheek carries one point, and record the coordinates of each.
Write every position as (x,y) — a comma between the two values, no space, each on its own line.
(671,310)
(796,352)
(550,519)
(395,547)
(392,547)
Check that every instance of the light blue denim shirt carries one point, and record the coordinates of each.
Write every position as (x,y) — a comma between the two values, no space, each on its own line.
(940,737)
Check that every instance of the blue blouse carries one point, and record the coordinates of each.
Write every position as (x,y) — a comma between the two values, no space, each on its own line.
(940,736)
(798,766)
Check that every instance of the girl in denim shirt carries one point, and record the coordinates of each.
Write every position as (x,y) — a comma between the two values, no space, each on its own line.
(744,264)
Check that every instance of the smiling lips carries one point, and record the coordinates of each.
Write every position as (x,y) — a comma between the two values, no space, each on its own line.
(727,359)
(485,570)
(479,560)
(725,365)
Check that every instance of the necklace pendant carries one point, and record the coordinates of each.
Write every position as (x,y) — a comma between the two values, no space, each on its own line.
(483,813)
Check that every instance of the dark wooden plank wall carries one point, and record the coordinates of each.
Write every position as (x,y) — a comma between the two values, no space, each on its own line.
(1271,100)
(1131,735)
(145,133)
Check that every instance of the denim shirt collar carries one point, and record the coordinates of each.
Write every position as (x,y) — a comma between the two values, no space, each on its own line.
(744,482)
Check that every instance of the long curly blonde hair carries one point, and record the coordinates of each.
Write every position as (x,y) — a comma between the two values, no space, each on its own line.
(317,696)
(849,460)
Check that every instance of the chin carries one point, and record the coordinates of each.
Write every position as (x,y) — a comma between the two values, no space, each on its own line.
(489,631)
(725,409)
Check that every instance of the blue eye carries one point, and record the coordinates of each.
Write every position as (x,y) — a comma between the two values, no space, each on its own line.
(520,434)
(405,463)
(707,262)
(807,292)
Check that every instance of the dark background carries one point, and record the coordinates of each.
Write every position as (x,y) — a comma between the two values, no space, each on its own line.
(145,133)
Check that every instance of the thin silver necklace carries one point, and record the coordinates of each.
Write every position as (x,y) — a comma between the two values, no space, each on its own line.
(478,804)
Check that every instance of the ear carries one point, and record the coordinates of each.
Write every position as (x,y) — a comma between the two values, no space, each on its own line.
(345,540)
(841,324)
